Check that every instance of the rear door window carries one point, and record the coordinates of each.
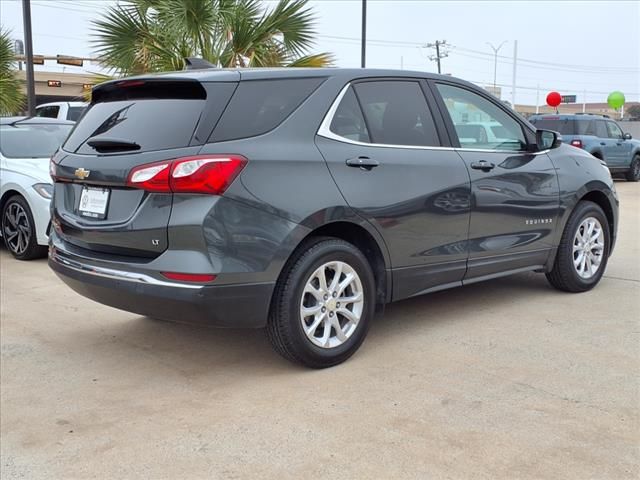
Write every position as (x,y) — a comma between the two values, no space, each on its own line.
(348,121)
(601,129)
(397,113)
(259,106)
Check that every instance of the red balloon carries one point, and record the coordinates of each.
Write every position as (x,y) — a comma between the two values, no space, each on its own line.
(554,99)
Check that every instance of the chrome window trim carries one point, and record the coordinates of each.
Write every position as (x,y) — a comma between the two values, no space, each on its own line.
(325,131)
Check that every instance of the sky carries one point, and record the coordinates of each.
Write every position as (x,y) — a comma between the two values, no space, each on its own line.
(586,48)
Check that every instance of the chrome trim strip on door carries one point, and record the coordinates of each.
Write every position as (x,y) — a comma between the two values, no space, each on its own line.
(325,131)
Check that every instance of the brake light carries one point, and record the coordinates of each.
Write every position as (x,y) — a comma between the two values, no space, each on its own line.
(189,277)
(576,143)
(209,174)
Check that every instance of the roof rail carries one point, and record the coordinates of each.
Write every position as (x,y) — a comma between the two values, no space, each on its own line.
(197,63)
(592,114)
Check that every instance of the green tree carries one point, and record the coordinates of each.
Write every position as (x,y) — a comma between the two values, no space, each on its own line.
(11,96)
(140,36)
(633,112)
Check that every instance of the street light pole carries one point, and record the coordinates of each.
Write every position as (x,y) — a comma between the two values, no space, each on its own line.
(363,52)
(495,62)
(28,47)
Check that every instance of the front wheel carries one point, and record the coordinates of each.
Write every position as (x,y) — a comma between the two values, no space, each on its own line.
(633,174)
(583,251)
(19,230)
(323,304)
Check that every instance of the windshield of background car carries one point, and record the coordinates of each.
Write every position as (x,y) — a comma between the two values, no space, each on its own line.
(32,141)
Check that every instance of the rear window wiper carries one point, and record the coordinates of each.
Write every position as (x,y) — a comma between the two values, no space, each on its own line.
(110,144)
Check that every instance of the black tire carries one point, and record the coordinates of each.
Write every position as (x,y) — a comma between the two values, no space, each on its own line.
(633,174)
(24,246)
(564,275)
(285,329)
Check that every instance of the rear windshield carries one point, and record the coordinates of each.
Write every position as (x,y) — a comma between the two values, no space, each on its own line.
(259,106)
(32,141)
(152,124)
(154,115)
(566,126)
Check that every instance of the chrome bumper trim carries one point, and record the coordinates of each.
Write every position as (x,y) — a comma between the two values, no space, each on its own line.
(54,256)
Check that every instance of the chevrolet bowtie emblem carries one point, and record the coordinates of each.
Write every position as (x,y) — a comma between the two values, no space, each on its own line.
(81,173)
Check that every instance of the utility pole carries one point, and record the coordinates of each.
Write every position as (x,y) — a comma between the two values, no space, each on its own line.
(495,61)
(363,40)
(513,86)
(28,46)
(440,54)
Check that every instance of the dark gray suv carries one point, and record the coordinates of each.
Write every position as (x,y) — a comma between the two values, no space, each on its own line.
(304,200)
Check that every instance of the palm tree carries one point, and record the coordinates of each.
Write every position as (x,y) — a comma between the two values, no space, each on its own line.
(140,36)
(11,96)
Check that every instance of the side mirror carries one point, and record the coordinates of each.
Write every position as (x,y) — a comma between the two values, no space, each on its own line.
(627,136)
(547,139)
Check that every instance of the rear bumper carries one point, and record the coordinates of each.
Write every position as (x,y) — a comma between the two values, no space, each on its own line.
(237,305)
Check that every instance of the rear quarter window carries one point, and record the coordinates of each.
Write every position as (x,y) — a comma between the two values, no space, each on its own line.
(259,106)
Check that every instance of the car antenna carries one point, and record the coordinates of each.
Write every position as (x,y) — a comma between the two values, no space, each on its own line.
(197,63)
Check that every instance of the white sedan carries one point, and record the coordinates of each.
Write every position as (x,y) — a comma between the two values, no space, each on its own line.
(26,145)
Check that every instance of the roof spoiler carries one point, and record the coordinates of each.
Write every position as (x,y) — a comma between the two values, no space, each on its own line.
(197,63)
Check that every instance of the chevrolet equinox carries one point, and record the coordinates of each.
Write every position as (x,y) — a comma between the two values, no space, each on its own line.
(304,200)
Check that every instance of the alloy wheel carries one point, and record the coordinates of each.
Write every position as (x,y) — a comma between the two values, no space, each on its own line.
(588,247)
(17,229)
(332,304)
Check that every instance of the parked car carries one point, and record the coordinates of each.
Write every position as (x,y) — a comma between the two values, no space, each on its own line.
(600,136)
(304,200)
(26,145)
(62,110)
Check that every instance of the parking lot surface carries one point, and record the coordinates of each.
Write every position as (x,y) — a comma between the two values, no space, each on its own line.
(505,379)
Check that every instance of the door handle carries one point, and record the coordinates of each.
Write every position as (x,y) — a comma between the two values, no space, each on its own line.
(482,165)
(602,143)
(362,162)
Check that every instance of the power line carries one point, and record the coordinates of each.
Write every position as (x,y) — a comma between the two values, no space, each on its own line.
(560,66)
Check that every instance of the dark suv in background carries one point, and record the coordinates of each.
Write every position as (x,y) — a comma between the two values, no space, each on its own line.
(304,200)
(600,136)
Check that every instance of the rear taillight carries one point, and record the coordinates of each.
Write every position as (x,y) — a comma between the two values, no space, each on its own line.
(210,174)
(576,143)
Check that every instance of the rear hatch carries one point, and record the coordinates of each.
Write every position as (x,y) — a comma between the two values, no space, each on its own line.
(130,123)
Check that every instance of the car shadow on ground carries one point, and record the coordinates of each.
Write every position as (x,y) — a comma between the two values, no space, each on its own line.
(196,350)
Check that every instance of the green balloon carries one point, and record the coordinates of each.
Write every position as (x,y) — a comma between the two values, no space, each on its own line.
(615,99)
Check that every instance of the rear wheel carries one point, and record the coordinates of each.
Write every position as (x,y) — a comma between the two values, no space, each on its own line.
(633,174)
(19,230)
(323,304)
(583,251)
